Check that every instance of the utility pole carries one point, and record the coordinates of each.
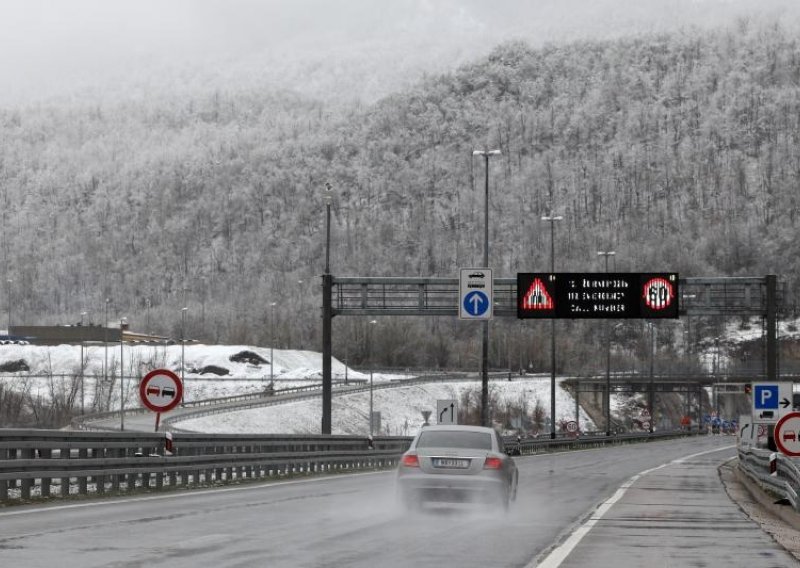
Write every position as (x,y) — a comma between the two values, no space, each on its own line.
(607,254)
(552,220)
(121,376)
(485,336)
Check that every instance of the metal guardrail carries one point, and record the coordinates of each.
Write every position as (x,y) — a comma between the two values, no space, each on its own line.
(532,446)
(52,463)
(39,463)
(754,462)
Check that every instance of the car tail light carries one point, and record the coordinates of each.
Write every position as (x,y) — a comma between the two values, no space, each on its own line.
(492,463)
(410,460)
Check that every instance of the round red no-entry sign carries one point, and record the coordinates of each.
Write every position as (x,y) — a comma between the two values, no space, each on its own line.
(161,390)
(786,433)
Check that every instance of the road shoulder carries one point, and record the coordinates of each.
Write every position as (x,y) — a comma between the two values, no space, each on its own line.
(781,522)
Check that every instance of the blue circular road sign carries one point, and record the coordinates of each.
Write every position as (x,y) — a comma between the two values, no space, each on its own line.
(476,303)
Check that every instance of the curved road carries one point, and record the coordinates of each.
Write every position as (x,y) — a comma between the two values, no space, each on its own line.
(677,515)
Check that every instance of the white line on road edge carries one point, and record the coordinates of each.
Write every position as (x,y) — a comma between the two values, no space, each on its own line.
(190,493)
(557,556)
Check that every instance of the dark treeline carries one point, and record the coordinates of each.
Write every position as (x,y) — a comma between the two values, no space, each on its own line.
(680,152)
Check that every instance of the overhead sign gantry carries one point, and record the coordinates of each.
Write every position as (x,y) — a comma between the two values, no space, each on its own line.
(390,296)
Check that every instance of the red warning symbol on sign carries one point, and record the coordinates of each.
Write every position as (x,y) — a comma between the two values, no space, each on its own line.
(537,297)
(658,293)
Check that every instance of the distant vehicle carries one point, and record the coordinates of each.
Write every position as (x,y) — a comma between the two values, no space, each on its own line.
(456,464)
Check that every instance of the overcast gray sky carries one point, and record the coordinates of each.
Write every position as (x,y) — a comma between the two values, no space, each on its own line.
(51,47)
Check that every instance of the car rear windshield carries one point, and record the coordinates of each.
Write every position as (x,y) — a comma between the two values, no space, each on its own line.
(452,439)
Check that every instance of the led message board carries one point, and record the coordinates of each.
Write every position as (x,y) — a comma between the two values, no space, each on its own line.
(578,295)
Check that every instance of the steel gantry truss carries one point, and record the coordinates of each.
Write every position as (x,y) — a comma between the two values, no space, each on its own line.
(392,296)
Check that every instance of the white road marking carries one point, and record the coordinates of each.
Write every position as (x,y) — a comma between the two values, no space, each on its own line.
(189,493)
(560,553)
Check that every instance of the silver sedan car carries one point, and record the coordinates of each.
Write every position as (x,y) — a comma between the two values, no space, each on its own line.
(456,464)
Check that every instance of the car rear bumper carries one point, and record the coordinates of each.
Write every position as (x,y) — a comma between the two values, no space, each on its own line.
(451,489)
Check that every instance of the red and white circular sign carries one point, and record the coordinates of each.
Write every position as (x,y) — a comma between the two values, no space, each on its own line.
(787,431)
(658,293)
(645,425)
(161,390)
(571,426)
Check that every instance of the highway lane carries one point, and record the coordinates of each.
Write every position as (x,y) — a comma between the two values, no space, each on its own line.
(347,520)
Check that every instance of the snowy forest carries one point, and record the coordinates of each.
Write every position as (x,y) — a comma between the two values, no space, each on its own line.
(677,150)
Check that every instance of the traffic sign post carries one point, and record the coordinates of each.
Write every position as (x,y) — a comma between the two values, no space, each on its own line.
(771,401)
(475,294)
(787,431)
(160,390)
(446,411)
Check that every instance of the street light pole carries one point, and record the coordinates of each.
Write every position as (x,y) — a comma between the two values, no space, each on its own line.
(121,376)
(271,340)
(485,338)
(371,366)
(328,198)
(8,298)
(607,254)
(651,398)
(83,400)
(105,345)
(327,317)
(183,340)
(552,220)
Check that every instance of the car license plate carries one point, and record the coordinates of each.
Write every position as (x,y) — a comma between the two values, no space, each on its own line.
(450,463)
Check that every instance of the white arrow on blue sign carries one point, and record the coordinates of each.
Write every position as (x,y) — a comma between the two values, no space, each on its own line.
(476,303)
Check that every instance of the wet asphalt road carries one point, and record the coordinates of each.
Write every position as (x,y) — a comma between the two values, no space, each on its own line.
(354,521)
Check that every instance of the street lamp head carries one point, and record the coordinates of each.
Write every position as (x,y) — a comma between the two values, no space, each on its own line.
(606,253)
(373,321)
(552,218)
(273,304)
(486,152)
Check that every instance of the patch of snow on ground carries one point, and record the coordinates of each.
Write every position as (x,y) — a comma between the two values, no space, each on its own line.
(400,408)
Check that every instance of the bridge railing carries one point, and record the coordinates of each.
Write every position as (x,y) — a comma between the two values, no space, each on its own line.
(754,462)
(48,463)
